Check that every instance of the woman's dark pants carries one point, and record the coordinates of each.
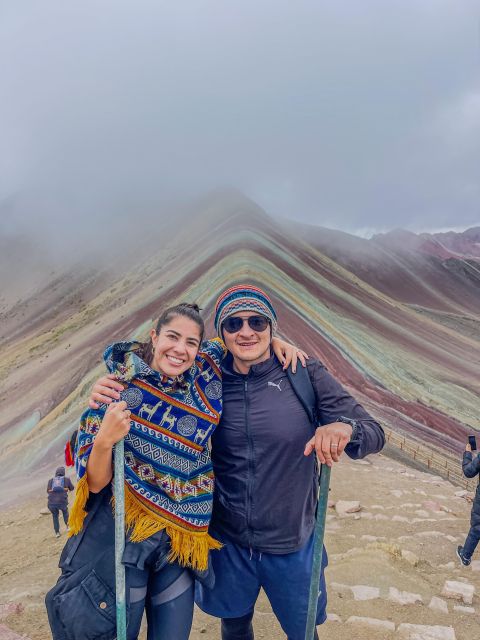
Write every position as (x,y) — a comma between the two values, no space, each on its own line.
(55,511)
(471,543)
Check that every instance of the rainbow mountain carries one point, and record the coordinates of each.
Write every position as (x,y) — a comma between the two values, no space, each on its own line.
(395,318)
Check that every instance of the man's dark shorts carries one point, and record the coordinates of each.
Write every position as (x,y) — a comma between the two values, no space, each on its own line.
(240,573)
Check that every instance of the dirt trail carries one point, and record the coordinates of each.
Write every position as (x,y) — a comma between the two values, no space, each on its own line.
(402,509)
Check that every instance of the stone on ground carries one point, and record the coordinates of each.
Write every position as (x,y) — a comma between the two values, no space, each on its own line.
(462,609)
(371,622)
(437,604)
(404,597)
(332,617)
(343,507)
(425,632)
(458,591)
(364,592)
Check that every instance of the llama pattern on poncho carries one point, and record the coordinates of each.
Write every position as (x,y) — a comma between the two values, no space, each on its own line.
(168,472)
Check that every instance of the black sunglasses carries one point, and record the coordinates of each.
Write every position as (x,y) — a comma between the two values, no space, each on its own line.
(234,324)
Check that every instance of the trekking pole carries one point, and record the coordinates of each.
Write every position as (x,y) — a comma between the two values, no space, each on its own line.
(319,532)
(119,491)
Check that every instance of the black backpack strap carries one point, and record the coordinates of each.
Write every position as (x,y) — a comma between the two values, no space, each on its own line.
(303,387)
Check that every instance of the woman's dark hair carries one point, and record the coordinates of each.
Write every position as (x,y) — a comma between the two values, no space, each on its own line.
(185,309)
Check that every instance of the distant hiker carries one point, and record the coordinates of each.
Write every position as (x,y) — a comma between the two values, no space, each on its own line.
(57,489)
(471,468)
(265,478)
(70,450)
(170,403)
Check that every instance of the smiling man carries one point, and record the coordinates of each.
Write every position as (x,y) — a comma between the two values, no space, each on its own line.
(246,338)
(265,478)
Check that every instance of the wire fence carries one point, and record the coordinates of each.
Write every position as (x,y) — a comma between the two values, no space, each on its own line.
(446,466)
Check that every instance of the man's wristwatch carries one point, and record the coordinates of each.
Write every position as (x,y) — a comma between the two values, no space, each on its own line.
(353,423)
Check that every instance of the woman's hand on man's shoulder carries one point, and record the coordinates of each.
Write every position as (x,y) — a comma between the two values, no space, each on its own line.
(105,390)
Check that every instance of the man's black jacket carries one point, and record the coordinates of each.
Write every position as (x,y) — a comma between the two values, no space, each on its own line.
(265,488)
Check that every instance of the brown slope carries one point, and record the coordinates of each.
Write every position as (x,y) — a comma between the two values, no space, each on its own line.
(400,269)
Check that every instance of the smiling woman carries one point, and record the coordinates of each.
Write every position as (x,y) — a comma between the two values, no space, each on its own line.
(175,341)
(170,402)
(175,347)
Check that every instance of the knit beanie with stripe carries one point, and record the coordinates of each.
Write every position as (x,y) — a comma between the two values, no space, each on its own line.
(244,297)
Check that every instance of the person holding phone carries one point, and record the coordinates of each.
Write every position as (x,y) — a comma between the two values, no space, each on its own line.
(471,468)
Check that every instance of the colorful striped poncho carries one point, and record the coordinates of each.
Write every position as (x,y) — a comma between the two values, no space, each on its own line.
(168,471)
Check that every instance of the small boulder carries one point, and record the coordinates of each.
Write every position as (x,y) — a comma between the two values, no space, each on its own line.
(332,617)
(425,632)
(375,623)
(364,592)
(462,609)
(437,604)
(345,507)
(404,597)
(339,587)
(458,591)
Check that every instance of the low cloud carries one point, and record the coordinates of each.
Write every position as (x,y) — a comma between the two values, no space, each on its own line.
(338,114)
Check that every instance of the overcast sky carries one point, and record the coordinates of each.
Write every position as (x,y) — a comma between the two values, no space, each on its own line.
(359,115)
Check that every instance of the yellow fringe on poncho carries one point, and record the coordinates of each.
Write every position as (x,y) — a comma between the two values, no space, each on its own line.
(188,548)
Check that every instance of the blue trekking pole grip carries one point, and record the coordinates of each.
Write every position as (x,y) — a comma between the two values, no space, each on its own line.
(319,534)
(119,492)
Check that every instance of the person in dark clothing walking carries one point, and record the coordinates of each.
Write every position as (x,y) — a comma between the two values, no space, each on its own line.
(57,490)
(471,468)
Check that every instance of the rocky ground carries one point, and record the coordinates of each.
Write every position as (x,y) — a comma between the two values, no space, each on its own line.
(390,560)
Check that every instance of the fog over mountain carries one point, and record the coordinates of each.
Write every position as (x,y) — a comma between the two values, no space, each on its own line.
(358,116)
